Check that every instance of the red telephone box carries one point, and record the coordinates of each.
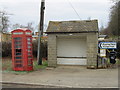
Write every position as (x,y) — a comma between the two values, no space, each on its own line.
(22,58)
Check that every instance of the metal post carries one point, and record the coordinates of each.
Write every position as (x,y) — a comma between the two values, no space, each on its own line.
(39,54)
(118,7)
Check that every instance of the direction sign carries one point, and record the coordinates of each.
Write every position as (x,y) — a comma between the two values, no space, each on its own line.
(108,45)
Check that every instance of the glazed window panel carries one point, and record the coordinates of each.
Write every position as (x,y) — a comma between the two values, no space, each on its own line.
(18,65)
(28,33)
(29,57)
(29,53)
(18,61)
(28,39)
(29,49)
(18,57)
(18,46)
(17,42)
(29,46)
(18,38)
(28,42)
(29,63)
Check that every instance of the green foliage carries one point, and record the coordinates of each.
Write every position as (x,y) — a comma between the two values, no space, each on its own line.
(37,67)
(113,28)
(7,66)
(6,49)
(44,48)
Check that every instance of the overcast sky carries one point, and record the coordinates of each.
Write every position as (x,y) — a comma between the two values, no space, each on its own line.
(25,11)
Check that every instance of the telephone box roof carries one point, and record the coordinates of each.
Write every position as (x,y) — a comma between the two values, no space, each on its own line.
(21,29)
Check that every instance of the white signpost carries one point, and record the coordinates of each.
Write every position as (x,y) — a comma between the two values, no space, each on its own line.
(108,45)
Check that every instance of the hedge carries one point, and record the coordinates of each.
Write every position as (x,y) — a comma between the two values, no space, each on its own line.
(7,49)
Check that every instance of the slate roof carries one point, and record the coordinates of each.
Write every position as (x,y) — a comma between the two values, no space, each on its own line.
(72,26)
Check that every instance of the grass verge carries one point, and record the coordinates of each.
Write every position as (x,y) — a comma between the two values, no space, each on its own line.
(7,66)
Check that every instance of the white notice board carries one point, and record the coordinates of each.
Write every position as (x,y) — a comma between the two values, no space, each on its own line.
(103,52)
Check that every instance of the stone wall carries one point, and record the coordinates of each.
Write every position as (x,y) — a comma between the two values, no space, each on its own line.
(92,48)
(52,50)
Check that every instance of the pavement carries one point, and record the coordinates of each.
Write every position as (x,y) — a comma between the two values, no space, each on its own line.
(66,77)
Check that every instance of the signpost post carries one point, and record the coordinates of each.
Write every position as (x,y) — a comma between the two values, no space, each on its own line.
(103,47)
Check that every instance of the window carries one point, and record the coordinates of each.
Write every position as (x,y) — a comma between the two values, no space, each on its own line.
(17,42)
(29,49)
(29,46)
(28,39)
(17,46)
(18,65)
(17,38)
(29,42)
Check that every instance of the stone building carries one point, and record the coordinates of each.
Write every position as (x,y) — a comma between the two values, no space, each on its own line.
(6,37)
(73,43)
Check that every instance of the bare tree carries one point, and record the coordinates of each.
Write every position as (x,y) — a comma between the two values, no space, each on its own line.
(15,26)
(4,21)
(115,1)
(113,28)
(28,26)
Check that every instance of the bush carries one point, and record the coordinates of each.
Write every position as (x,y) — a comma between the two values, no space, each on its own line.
(6,49)
(44,48)
(35,47)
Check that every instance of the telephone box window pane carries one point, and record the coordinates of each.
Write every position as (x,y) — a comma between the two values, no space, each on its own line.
(17,38)
(17,46)
(18,50)
(28,33)
(29,49)
(29,42)
(18,57)
(17,42)
(29,46)
(29,57)
(18,65)
(29,62)
(17,54)
(18,61)
(29,53)
(28,39)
